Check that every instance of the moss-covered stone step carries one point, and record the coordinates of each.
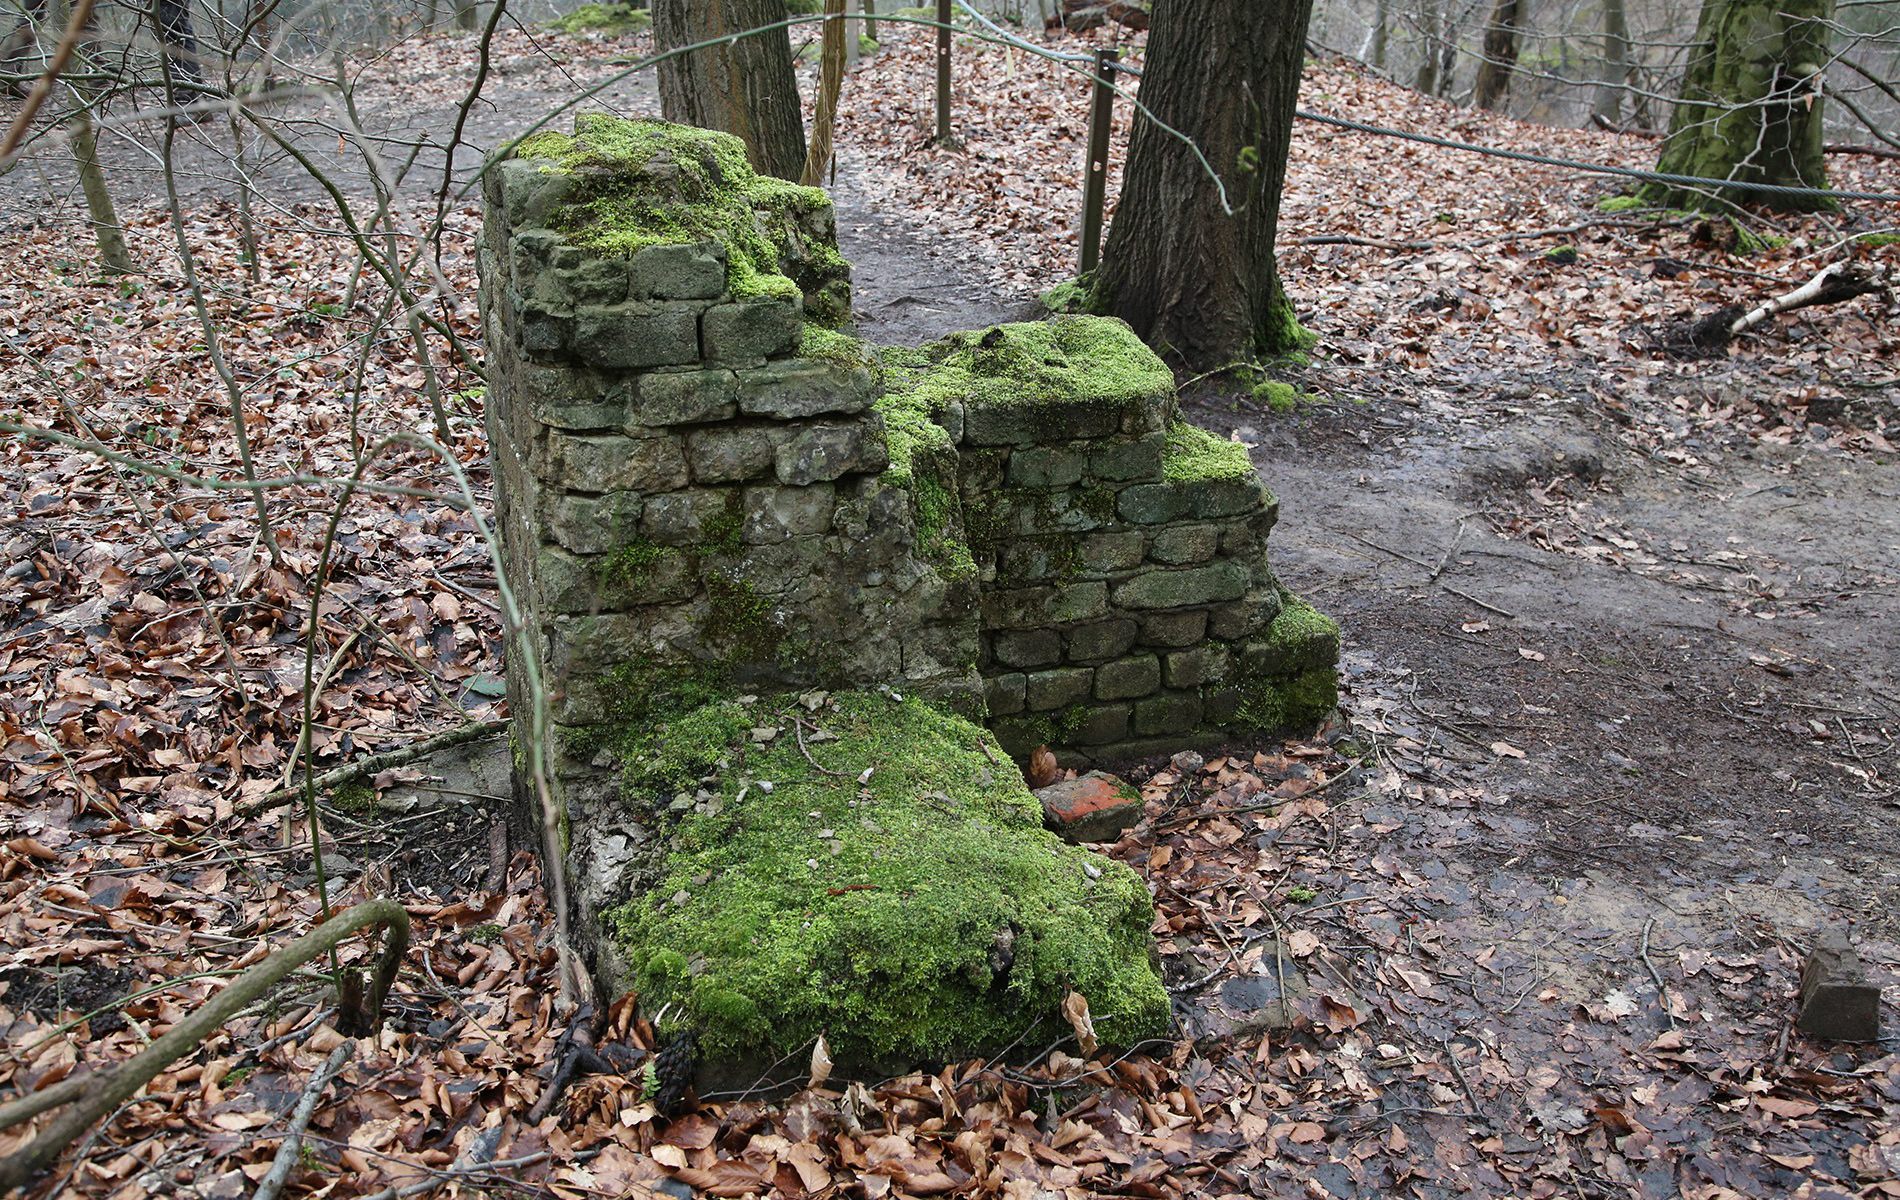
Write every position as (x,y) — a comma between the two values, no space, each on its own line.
(865,869)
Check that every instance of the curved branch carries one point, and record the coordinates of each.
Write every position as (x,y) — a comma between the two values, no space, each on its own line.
(109,1088)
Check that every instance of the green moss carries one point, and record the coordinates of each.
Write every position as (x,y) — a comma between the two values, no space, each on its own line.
(739,621)
(723,532)
(1193,453)
(483,935)
(1747,241)
(1879,239)
(647,183)
(628,567)
(833,346)
(614,20)
(923,914)
(1069,296)
(1301,894)
(356,796)
(1276,395)
(1617,204)
(1066,360)
(1298,682)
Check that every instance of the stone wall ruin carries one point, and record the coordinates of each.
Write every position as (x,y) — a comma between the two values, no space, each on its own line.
(708,492)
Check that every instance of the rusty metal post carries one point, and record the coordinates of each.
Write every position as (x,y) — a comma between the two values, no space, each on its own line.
(1095,181)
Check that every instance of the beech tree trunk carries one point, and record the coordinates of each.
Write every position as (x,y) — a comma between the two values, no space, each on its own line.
(1750,108)
(744,87)
(180,41)
(1616,62)
(1500,55)
(1190,277)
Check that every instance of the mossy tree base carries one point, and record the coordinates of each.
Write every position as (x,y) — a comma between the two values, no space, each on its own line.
(1751,106)
(861,867)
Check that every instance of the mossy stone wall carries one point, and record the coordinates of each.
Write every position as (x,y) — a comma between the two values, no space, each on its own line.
(710,495)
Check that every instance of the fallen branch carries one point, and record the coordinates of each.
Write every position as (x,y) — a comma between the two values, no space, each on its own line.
(111,1087)
(1832,285)
(287,1150)
(1869,151)
(351,772)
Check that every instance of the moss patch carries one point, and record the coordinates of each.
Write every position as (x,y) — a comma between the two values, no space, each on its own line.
(1276,395)
(614,20)
(923,914)
(649,183)
(1193,453)
(1067,360)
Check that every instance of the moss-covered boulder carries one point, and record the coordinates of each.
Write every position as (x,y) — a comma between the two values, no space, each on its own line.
(863,867)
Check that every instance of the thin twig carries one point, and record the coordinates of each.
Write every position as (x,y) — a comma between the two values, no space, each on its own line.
(1662,993)
(287,1150)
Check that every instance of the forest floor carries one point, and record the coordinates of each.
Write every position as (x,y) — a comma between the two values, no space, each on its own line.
(1620,688)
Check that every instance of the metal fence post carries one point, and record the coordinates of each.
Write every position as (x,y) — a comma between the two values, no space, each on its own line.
(943,72)
(1095,180)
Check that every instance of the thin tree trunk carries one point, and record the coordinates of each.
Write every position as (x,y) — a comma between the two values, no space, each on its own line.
(824,118)
(744,87)
(1430,18)
(1500,55)
(1382,22)
(114,258)
(1616,61)
(1188,274)
(1750,108)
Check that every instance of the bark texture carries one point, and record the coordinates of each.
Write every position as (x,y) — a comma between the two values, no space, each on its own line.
(1616,61)
(1500,54)
(1751,102)
(744,87)
(1189,277)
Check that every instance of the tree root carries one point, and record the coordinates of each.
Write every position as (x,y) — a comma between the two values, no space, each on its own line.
(1709,336)
(101,1092)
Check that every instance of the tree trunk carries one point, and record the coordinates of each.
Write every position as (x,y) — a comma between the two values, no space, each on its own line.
(1426,81)
(1750,107)
(824,117)
(1187,275)
(744,87)
(114,258)
(1500,55)
(1382,21)
(1616,61)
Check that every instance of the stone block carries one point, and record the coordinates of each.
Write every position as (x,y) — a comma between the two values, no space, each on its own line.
(773,514)
(543,332)
(1104,724)
(1194,666)
(1224,497)
(1105,553)
(1100,640)
(1027,648)
(1839,1003)
(822,453)
(1128,461)
(1029,560)
(529,195)
(1096,807)
(636,335)
(612,463)
(1127,678)
(1179,589)
(1221,706)
(1057,687)
(595,281)
(565,398)
(688,518)
(1181,545)
(1003,694)
(591,524)
(569,583)
(1154,503)
(1231,622)
(1019,423)
(686,271)
(933,651)
(1172,712)
(1173,629)
(1035,607)
(685,397)
(729,453)
(1046,467)
(796,388)
(748,331)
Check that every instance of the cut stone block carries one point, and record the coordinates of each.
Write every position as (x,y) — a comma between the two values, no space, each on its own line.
(1838,1001)
(1096,807)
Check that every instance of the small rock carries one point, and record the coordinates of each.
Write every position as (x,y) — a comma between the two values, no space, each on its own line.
(1186,763)
(1838,1003)
(1095,807)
